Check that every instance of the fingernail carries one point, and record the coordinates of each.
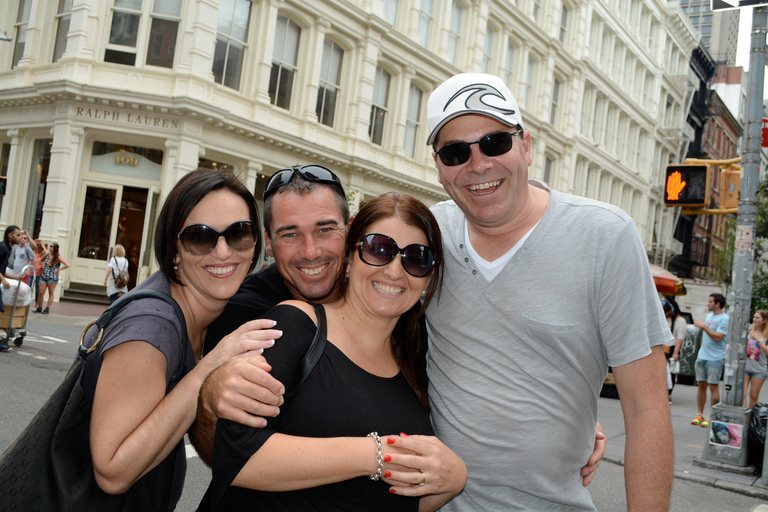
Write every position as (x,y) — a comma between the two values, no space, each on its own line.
(387,474)
(278,334)
(403,434)
(273,323)
(387,458)
(260,351)
(269,343)
(390,440)
(392,490)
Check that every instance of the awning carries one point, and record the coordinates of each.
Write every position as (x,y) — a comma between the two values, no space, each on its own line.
(666,282)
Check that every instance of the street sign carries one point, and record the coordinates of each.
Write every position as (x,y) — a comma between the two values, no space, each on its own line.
(687,185)
(724,5)
(765,133)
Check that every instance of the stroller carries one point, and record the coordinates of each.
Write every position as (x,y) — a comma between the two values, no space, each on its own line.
(14,318)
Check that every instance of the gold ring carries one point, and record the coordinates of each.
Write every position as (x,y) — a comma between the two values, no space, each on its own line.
(423,479)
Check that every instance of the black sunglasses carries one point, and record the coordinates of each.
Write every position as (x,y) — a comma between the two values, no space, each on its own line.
(316,173)
(494,144)
(378,250)
(199,239)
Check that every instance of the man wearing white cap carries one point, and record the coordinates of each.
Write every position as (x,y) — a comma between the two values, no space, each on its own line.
(542,292)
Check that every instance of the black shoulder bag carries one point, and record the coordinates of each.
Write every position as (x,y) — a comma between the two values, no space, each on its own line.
(49,466)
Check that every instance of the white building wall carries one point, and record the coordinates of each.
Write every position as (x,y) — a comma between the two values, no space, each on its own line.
(621,65)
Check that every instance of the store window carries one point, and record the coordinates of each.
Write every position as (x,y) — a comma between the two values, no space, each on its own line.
(128,16)
(215,165)
(530,72)
(22,20)
(231,34)
(284,59)
(330,78)
(379,105)
(412,120)
(38,182)
(62,28)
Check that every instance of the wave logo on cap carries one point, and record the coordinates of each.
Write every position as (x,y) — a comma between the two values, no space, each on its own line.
(476,100)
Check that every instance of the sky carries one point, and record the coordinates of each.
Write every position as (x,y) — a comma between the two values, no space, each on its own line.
(742,48)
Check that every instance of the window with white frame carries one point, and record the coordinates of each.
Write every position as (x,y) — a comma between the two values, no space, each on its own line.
(379,105)
(530,71)
(536,9)
(285,56)
(457,11)
(547,170)
(426,7)
(563,24)
(509,61)
(231,36)
(22,21)
(390,11)
(163,17)
(488,50)
(330,78)
(412,120)
(555,101)
(63,16)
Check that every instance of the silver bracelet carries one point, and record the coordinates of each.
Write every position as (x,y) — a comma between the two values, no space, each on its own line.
(379,457)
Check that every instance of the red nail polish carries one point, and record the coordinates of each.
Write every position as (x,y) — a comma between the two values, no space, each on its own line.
(390,440)
(392,491)
(403,434)
(387,458)
(387,474)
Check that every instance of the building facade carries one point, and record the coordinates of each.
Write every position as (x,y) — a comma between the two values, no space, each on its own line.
(104,105)
(719,30)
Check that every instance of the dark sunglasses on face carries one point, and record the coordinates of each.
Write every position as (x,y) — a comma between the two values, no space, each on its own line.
(494,144)
(378,250)
(316,173)
(199,239)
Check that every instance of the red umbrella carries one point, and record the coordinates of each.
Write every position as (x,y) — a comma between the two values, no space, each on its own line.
(666,282)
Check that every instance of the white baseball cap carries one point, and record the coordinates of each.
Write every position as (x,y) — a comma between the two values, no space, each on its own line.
(471,93)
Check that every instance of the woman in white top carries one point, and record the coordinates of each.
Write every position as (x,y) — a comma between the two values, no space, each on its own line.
(117,263)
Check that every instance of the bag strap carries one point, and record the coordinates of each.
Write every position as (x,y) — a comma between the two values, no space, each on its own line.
(318,344)
(113,269)
(102,322)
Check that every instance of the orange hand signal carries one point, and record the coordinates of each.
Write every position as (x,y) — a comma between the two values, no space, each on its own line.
(675,185)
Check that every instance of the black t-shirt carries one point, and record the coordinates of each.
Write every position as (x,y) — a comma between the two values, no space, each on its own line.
(5,254)
(259,293)
(337,399)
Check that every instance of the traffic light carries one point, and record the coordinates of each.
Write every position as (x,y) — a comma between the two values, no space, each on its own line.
(687,185)
(730,181)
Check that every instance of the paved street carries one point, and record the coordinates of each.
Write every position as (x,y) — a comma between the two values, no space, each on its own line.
(30,373)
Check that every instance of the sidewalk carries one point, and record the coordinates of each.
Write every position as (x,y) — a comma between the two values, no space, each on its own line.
(689,444)
(69,312)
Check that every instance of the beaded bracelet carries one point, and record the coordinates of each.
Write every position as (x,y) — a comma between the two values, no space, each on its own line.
(379,457)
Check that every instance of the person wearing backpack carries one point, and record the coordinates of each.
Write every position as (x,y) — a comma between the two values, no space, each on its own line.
(116,279)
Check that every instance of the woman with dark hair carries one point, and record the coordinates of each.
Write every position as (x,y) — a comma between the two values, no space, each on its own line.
(206,242)
(53,264)
(679,330)
(323,451)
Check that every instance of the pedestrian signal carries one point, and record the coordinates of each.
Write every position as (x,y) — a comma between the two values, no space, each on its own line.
(687,185)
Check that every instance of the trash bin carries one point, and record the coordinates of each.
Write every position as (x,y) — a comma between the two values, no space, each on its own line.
(688,353)
(756,436)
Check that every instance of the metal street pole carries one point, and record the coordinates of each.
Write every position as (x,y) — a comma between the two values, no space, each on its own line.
(730,416)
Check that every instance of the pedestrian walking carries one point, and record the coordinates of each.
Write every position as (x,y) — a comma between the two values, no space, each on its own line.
(54,263)
(756,369)
(116,279)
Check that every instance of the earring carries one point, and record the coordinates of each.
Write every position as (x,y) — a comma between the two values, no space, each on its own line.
(175,267)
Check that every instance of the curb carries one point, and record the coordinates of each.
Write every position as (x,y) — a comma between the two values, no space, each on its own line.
(747,490)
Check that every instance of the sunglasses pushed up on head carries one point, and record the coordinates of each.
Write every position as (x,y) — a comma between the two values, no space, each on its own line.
(378,250)
(199,239)
(494,144)
(315,173)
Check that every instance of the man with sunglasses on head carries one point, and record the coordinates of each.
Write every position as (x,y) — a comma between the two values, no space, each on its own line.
(306,215)
(543,291)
